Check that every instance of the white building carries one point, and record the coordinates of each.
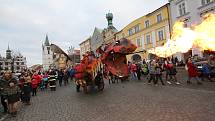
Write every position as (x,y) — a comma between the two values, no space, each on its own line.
(190,12)
(16,62)
(47,55)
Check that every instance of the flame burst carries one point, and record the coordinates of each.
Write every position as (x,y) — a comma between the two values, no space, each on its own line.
(200,36)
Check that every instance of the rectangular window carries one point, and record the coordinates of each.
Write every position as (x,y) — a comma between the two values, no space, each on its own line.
(137,28)
(160,35)
(146,23)
(204,2)
(148,39)
(138,41)
(182,9)
(159,18)
(130,32)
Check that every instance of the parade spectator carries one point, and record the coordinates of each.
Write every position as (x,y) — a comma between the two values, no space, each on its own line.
(26,90)
(192,72)
(139,71)
(176,61)
(21,84)
(158,73)
(205,72)
(60,76)
(145,69)
(13,94)
(172,73)
(36,79)
(152,73)
(133,71)
(4,84)
(72,73)
(211,61)
(45,79)
(165,67)
(66,77)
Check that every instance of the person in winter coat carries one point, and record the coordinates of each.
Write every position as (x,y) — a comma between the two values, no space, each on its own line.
(206,72)
(21,84)
(13,94)
(36,79)
(66,77)
(158,71)
(26,90)
(4,84)
(139,71)
(145,69)
(45,79)
(133,71)
(152,72)
(192,72)
(172,73)
(60,76)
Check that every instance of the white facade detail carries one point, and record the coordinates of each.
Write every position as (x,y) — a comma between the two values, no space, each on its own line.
(47,55)
(190,12)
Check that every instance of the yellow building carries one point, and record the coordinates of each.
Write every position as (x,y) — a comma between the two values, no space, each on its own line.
(147,32)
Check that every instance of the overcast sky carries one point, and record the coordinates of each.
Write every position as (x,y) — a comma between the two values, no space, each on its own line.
(24,23)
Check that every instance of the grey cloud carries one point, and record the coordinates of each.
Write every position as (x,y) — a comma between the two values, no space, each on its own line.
(67,22)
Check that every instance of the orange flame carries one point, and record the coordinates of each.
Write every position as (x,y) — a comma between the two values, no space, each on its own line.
(183,39)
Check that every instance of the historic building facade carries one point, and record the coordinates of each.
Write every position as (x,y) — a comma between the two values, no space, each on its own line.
(147,32)
(14,62)
(97,39)
(109,32)
(85,46)
(47,54)
(190,12)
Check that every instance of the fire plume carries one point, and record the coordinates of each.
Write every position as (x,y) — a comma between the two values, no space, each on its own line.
(200,36)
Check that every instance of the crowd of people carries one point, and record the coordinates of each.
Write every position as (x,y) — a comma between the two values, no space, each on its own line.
(16,89)
(13,90)
(156,69)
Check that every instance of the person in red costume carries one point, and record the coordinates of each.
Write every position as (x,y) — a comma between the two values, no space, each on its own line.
(36,79)
(192,72)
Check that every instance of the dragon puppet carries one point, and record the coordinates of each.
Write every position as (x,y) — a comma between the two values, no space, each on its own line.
(112,56)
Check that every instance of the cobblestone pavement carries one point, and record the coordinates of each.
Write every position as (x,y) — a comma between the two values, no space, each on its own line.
(128,101)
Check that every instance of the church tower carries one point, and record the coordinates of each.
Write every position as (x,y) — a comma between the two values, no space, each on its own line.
(8,53)
(47,54)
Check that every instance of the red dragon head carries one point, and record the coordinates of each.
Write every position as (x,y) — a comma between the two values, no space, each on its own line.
(114,57)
